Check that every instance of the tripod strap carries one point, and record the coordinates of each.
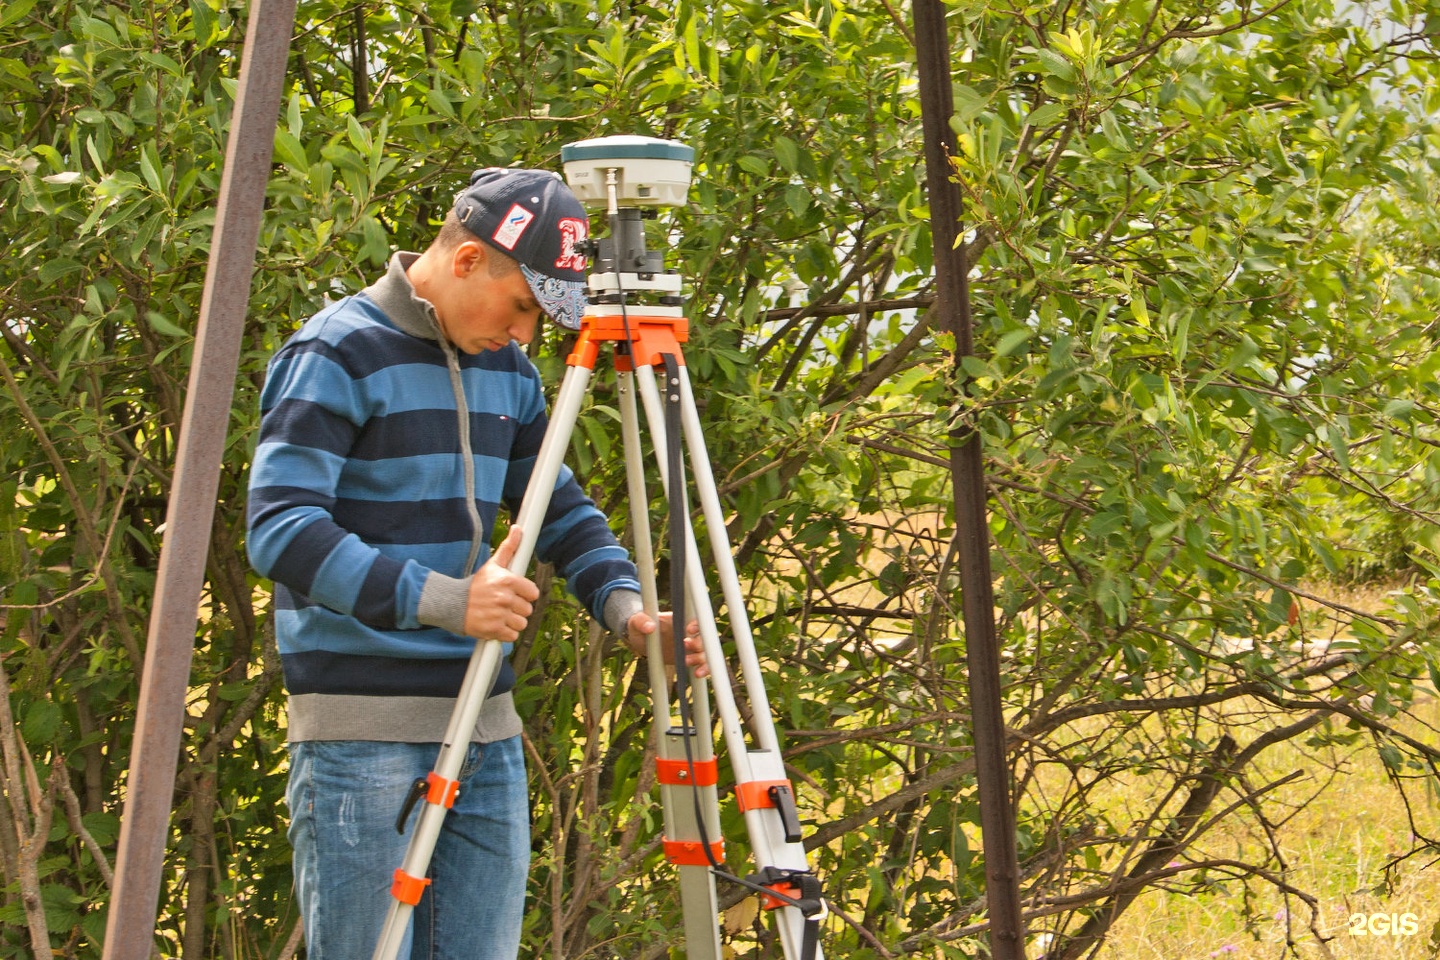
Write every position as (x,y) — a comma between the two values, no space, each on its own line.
(811,939)
(713,850)
(678,521)
(792,888)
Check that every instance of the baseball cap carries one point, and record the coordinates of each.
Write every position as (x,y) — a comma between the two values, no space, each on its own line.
(532,216)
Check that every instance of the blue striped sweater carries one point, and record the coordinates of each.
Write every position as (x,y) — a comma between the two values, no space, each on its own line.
(370,517)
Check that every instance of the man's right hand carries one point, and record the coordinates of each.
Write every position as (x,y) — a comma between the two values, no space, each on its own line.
(500,602)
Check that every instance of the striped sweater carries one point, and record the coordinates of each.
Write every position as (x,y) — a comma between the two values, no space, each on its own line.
(384,456)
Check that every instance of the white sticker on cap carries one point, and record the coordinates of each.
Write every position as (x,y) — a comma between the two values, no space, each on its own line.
(512,226)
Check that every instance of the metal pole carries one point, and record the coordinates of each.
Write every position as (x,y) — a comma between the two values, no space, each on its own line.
(145,822)
(992,771)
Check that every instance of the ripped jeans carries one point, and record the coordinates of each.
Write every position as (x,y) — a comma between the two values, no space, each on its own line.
(344,797)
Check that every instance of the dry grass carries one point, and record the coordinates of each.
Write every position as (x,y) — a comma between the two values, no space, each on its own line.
(1336,846)
(1336,843)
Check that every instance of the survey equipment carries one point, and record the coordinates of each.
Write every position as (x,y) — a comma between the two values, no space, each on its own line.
(636,310)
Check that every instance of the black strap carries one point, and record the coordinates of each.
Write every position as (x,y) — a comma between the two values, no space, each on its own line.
(418,789)
(679,520)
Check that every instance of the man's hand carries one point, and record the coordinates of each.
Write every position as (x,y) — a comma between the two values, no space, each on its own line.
(500,601)
(641,626)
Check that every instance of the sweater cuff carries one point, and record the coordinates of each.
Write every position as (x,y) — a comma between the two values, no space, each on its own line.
(620,606)
(443,603)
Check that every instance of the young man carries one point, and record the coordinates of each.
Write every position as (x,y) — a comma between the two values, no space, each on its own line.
(394,425)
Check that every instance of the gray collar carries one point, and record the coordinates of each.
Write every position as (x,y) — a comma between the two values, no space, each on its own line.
(394,294)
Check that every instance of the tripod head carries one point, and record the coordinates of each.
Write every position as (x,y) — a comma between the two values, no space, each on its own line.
(630,178)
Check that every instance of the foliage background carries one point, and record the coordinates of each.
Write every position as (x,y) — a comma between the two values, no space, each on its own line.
(1204,241)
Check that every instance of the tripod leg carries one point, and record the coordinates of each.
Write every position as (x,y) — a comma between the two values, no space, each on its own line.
(762,724)
(441,787)
(765,794)
(781,848)
(640,527)
(685,762)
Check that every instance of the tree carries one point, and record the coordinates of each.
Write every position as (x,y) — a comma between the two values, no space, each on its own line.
(1203,241)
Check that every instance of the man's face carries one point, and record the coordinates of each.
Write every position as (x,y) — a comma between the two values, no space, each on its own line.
(486,312)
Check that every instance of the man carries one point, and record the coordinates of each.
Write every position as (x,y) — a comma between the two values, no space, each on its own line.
(394,425)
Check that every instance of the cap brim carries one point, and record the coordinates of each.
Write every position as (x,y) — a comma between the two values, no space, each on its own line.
(563,301)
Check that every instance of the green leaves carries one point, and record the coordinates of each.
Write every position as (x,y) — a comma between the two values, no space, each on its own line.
(1204,376)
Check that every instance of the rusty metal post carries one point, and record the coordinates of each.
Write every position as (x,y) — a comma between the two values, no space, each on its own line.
(967,467)
(145,821)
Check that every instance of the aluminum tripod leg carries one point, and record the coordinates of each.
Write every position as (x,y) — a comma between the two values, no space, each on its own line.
(410,881)
(762,787)
(685,756)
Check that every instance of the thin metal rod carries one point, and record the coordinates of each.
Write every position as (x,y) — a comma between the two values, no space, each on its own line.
(145,820)
(992,771)
(697,894)
(697,596)
(645,564)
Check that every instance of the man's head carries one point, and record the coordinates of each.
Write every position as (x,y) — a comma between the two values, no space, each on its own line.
(506,252)
(533,218)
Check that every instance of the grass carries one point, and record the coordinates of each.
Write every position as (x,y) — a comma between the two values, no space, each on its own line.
(1336,843)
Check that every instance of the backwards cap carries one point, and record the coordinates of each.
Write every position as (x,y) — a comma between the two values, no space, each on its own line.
(532,216)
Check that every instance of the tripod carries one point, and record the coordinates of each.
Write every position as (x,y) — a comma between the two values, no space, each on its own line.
(650,370)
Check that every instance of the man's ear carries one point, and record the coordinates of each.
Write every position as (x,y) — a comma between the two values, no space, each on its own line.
(468,255)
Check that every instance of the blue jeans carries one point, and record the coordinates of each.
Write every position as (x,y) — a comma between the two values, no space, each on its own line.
(344,797)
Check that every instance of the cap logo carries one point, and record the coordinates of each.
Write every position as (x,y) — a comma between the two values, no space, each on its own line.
(572,233)
(512,226)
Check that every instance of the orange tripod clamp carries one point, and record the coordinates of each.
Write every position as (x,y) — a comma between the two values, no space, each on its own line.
(408,889)
(691,853)
(684,773)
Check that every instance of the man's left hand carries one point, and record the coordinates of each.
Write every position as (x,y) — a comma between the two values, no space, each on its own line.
(641,625)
